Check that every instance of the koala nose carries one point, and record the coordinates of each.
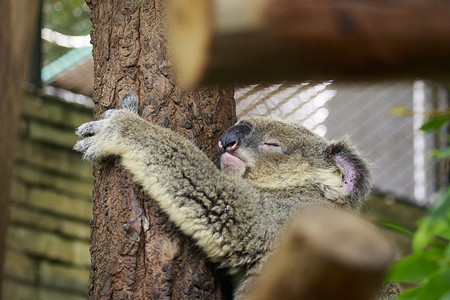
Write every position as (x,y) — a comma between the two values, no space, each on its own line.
(231,138)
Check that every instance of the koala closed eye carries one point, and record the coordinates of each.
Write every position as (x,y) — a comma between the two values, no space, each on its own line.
(272,146)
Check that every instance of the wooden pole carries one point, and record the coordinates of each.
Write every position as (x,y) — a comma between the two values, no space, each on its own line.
(273,40)
(17,28)
(326,255)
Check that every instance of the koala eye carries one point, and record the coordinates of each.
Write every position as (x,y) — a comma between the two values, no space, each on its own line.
(273,146)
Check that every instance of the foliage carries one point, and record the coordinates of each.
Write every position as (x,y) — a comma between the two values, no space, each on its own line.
(429,263)
(70,17)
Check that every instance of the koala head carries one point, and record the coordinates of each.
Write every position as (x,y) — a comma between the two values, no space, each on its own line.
(273,154)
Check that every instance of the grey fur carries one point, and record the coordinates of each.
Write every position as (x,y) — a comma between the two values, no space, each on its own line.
(235,217)
(130,103)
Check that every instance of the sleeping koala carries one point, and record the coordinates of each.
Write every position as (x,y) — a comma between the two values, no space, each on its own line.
(268,170)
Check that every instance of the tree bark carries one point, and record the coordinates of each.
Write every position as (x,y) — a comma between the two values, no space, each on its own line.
(18,19)
(273,40)
(136,252)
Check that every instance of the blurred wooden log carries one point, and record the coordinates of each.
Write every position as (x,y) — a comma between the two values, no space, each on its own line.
(18,20)
(271,40)
(326,255)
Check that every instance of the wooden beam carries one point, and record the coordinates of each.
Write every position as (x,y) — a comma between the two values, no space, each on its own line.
(272,40)
(326,255)
(17,28)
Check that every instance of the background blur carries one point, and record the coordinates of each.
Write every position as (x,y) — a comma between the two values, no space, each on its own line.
(47,253)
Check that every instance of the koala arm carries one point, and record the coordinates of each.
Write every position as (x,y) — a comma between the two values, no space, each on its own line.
(201,200)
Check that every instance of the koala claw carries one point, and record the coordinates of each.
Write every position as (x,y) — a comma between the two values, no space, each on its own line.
(89,146)
(89,129)
(85,146)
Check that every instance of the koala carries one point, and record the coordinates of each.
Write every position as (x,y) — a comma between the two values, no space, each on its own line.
(236,213)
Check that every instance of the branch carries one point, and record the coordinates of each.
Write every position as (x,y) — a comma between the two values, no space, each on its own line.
(216,41)
(326,255)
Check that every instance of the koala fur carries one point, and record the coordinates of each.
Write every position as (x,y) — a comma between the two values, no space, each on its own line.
(268,170)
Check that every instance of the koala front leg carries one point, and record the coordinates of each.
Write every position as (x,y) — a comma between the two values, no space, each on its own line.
(205,203)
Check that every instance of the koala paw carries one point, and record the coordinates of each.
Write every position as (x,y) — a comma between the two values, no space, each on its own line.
(90,145)
(98,136)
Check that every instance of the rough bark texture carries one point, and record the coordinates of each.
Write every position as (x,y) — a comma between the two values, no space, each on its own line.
(136,252)
(18,19)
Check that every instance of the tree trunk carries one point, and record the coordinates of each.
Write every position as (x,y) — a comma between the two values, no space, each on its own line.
(18,20)
(136,252)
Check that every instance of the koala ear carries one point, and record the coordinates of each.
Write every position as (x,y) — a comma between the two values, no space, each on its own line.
(355,172)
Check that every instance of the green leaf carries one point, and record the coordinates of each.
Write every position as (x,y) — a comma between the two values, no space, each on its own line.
(434,234)
(398,228)
(434,288)
(435,123)
(445,297)
(441,228)
(415,267)
(441,206)
(423,235)
(439,155)
(436,223)
(447,251)
(411,294)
